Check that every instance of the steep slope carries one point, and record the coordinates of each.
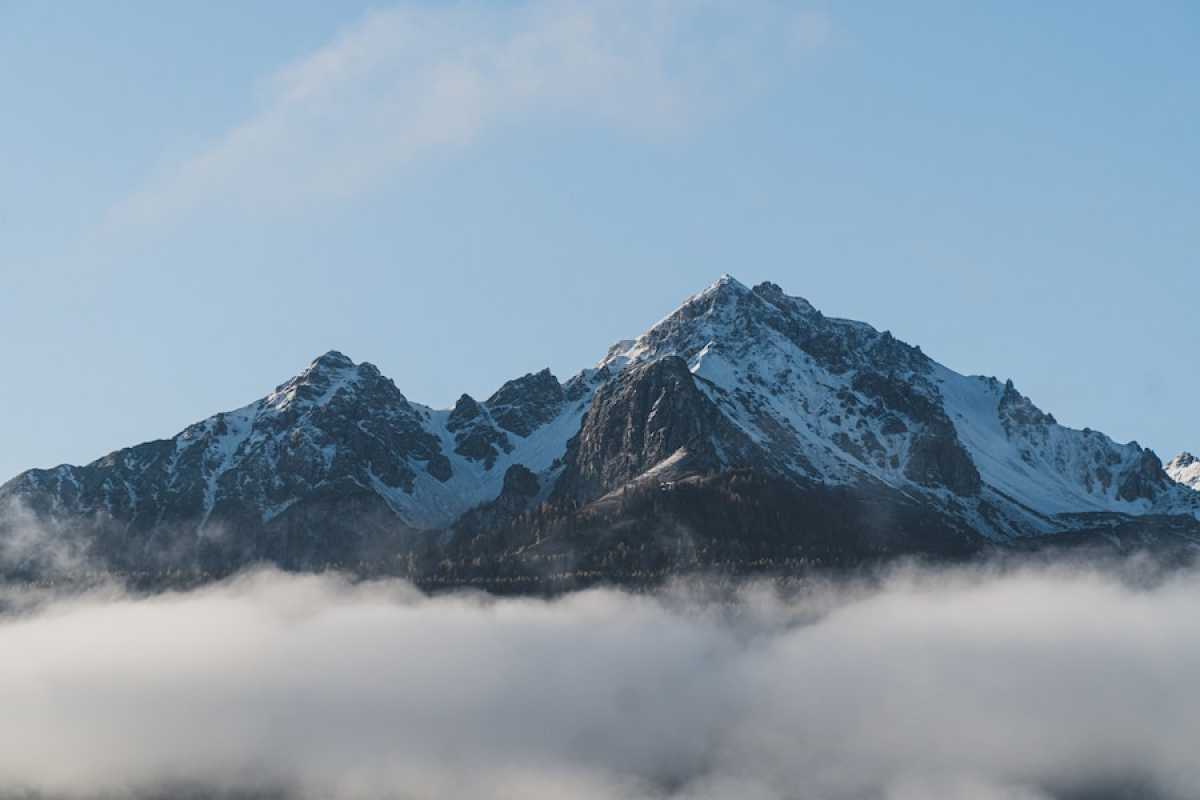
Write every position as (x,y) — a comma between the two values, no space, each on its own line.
(837,401)
(1185,468)
(653,420)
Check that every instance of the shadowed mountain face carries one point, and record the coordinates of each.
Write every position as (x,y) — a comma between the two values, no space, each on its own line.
(744,429)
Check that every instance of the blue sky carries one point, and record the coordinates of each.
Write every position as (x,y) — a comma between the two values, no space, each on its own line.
(197,199)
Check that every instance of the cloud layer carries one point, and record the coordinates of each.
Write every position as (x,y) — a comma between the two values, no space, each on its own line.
(1032,684)
(408,81)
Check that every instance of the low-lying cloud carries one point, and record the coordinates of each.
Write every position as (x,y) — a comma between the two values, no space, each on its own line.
(965,684)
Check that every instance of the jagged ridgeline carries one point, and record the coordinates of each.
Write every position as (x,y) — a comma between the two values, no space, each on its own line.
(744,432)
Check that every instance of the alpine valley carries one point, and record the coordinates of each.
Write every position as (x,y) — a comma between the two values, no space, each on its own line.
(744,433)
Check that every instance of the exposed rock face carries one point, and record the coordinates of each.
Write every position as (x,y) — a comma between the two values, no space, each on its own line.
(844,437)
(837,345)
(1018,411)
(651,414)
(520,482)
(518,494)
(475,433)
(1145,481)
(938,459)
(524,404)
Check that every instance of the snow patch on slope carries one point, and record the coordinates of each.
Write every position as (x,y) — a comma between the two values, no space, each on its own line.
(437,504)
(1048,475)
(1185,468)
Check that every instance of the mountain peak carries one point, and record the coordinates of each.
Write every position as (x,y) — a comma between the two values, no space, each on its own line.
(320,381)
(727,313)
(523,404)
(335,364)
(1185,468)
(333,359)
(729,289)
(726,284)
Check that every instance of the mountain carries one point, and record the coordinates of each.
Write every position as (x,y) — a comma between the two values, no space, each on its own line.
(1185,468)
(746,428)
(334,466)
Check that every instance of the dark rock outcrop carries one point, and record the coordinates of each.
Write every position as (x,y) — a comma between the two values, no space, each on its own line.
(1145,481)
(938,459)
(475,435)
(523,404)
(648,415)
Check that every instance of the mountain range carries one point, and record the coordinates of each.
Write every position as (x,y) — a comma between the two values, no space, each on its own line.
(746,431)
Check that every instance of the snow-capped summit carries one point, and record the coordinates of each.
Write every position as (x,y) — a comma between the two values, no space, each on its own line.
(316,385)
(838,401)
(336,464)
(1185,468)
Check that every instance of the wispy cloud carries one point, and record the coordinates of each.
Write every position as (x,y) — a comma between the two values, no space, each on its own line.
(405,82)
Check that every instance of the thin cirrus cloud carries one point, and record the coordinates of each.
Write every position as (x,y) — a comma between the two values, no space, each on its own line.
(409,81)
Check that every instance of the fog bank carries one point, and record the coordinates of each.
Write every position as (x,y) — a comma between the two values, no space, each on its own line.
(960,684)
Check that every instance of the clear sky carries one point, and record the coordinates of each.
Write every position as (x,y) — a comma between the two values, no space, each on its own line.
(197,199)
